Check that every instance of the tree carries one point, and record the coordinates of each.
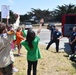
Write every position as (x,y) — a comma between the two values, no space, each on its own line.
(12,18)
(64,9)
(38,13)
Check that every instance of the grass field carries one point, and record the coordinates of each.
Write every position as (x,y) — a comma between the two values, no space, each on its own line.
(51,63)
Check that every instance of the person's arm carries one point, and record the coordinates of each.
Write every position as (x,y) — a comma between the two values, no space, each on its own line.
(7,22)
(40,26)
(16,24)
(73,40)
(17,20)
(60,36)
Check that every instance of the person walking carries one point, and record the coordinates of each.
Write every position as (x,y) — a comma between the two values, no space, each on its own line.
(31,45)
(56,36)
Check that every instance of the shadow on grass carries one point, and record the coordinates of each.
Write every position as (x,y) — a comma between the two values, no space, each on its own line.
(74,65)
(67,49)
(66,56)
(68,52)
(16,55)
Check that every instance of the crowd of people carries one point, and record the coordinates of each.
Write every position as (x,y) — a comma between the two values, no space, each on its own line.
(18,37)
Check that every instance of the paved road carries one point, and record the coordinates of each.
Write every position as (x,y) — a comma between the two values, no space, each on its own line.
(45,37)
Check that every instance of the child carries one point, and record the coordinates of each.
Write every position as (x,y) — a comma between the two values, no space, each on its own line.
(31,45)
(24,32)
(19,38)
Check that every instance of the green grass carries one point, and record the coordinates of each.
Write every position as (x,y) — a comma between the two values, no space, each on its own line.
(51,63)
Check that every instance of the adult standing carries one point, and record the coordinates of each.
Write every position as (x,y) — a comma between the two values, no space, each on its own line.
(6,55)
(73,41)
(56,36)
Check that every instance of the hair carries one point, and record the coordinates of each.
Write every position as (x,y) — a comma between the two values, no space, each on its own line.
(19,28)
(30,37)
(2,27)
(74,29)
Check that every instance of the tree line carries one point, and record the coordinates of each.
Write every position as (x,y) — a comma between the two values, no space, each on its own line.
(49,16)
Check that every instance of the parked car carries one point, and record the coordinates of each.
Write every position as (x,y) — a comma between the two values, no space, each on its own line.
(28,25)
(50,25)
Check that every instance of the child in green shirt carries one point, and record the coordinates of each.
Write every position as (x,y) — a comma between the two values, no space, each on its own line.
(31,45)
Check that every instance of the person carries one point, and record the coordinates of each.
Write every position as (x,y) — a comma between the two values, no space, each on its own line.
(1,73)
(6,55)
(24,32)
(56,36)
(73,41)
(19,38)
(13,45)
(31,45)
(52,28)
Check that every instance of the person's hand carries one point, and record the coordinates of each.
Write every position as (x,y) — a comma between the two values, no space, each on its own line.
(58,38)
(7,17)
(70,42)
(17,15)
(42,21)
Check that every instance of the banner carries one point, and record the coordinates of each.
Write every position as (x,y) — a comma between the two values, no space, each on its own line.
(4,11)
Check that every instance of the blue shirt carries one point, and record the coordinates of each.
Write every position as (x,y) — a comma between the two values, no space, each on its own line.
(73,35)
(56,34)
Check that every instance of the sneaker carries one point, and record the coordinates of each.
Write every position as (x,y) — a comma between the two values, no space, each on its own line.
(15,69)
(15,49)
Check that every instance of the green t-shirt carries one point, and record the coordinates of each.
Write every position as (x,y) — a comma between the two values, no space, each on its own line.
(24,33)
(32,54)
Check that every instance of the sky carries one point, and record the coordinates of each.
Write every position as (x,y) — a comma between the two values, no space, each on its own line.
(21,7)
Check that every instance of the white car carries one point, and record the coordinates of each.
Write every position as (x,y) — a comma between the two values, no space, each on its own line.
(28,25)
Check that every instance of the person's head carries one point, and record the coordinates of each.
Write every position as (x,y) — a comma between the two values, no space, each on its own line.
(52,26)
(56,28)
(2,28)
(30,37)
(74,29)
(23,27)
(19,28)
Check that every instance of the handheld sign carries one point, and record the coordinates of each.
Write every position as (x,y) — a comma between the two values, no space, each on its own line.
(4,11)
